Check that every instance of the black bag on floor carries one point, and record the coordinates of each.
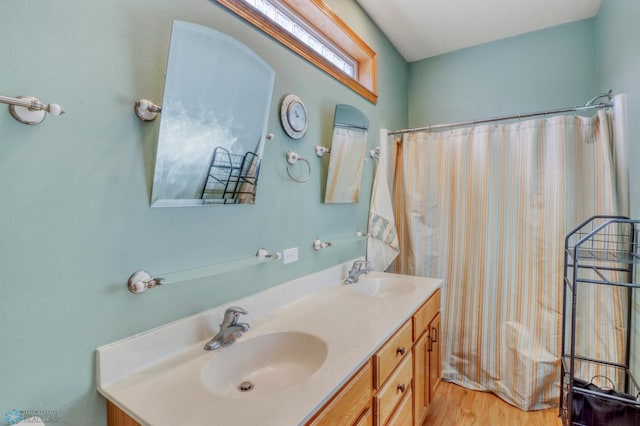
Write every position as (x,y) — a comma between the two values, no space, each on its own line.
(592,410)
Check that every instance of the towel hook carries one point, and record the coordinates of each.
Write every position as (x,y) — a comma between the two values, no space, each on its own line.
(292,158)
(375,153)
(321,150)
(264,254)
(146,110)
(141,281)
(318,244)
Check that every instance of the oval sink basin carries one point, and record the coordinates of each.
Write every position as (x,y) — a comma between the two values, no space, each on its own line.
(263,364)
(382,287)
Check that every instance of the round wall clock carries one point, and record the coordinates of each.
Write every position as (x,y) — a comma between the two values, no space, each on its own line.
(293,115)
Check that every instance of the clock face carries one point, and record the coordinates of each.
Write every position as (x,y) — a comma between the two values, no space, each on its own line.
(297,116)
(293,116)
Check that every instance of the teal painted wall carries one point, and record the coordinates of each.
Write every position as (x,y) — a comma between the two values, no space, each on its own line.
(546,69)
(618,37)
(75,220)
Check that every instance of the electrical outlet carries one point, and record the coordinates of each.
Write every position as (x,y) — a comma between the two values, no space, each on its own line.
(290,255)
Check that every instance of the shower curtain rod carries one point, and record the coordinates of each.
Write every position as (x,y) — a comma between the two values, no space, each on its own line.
(588,106)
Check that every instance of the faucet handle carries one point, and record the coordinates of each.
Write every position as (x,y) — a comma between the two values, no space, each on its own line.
(232,314)
(361,264)
(237,309)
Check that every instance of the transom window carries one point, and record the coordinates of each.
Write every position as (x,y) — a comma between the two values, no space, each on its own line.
(291,23)
(336,49)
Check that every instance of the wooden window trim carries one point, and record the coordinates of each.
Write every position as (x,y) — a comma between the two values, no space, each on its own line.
(330,25)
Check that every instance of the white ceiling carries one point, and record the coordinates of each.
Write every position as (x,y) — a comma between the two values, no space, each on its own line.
(423,28)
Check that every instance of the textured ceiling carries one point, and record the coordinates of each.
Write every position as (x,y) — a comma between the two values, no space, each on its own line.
(423,28)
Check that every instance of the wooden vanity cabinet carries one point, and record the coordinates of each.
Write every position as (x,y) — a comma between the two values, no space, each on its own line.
(426,356)
(394,387)
(404,413)
(388,396)
(351,405)
(366,419)
(392,353)
(393,375)
(117,417)
(393,393)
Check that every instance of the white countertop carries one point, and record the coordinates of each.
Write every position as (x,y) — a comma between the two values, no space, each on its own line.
(155,377)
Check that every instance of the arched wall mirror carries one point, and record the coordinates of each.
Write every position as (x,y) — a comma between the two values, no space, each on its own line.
(348,149)
(214,118)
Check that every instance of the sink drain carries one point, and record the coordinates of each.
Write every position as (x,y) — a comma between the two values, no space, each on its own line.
(245,386)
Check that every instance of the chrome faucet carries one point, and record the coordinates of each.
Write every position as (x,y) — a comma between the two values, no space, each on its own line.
(230,329)
(359,267)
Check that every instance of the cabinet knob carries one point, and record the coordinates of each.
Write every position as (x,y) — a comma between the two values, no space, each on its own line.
(400,351)
(434,331)
(401,388)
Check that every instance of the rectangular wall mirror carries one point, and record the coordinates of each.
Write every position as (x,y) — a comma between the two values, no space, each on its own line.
(214,118)
(348,149)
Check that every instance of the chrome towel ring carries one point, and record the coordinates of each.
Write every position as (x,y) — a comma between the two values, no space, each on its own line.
(292,158)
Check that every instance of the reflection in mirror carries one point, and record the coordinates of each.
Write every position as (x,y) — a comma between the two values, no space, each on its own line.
(348,148)
(214,117)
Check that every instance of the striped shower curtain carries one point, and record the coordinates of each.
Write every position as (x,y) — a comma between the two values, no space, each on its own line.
(487,208)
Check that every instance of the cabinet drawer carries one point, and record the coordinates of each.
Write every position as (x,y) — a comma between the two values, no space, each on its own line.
(366,419)
(346,407)
(394,389)
(403,415)
(392,353)
(425,314)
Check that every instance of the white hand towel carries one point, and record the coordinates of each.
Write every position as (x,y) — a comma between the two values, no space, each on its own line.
(382,241)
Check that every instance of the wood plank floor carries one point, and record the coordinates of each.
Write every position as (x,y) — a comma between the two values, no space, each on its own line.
(458,406)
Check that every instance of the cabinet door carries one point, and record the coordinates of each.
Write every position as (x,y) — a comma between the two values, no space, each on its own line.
(421,378)
(435,364)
